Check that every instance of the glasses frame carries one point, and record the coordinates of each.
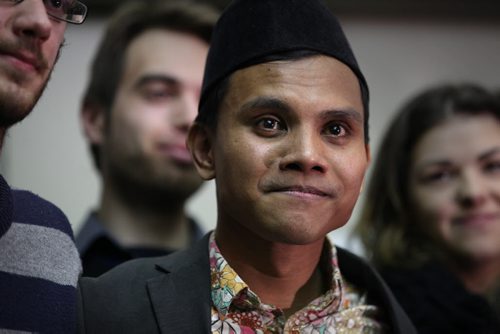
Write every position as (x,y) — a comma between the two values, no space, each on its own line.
(65,16)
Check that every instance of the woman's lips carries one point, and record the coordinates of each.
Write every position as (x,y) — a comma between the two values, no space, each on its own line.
(479,219)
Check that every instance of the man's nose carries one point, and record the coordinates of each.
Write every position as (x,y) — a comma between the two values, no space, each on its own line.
(186,110)
(304,152)
(32,20)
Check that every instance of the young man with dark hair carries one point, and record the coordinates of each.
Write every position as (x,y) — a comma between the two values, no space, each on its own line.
(282,128)
(39,264)
(141,99)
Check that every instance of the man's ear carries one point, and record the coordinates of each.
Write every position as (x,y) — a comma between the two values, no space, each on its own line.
(200,144)
(93,119)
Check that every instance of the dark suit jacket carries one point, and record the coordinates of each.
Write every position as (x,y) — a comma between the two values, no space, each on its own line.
(171,294)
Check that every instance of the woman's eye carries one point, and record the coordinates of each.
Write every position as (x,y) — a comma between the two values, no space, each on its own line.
(437,177)
(492,167)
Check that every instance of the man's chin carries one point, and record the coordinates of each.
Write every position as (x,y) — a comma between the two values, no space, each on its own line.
(12,113)
(15,105)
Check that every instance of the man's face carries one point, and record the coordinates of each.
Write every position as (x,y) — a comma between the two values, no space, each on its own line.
(155,103)
(288,152)
(29,45)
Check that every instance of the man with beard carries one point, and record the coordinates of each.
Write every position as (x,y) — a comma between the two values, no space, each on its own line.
(283,129)
(140,102)
(39,264)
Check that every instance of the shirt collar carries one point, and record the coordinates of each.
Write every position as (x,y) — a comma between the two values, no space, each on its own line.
(93,229)
(228,289)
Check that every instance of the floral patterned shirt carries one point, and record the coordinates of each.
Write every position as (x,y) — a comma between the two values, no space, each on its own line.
(236,309)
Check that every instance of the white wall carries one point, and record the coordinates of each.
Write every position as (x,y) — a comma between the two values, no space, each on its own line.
(47,154)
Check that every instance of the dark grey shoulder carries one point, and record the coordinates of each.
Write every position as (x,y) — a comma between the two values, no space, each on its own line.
(132,272)
(122,298)
(118,299)
(127,273)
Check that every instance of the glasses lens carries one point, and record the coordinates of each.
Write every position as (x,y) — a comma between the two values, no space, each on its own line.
(67,10)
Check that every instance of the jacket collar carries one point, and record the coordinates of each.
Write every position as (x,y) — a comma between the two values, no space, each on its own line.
(181,300)
(181,297)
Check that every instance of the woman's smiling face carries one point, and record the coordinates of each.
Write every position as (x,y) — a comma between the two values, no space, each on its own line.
(455,185)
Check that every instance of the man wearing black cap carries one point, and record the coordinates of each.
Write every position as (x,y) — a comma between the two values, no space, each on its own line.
(282,128)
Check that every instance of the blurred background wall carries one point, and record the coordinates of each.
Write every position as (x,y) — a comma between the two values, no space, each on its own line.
(402,47)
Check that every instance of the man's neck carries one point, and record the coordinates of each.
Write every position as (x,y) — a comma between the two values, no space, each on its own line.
(137,225)
(283,275)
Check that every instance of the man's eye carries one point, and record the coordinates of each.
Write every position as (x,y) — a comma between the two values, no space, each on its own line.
(157,94)
(335,130)
(56,3)
(270,125)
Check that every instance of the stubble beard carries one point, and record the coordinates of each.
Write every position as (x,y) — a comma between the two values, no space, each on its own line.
(15,102)
(15,105)
(139,185)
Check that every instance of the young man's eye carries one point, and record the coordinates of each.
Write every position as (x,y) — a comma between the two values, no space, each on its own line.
(56,3)
(158,93)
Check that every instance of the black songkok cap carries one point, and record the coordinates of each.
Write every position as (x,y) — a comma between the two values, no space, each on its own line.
(249,31)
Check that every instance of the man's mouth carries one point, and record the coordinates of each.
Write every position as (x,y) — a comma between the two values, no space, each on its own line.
(23,59)
(304,191)
(178,153)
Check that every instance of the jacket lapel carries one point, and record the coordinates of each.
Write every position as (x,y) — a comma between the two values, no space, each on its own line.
(181,296)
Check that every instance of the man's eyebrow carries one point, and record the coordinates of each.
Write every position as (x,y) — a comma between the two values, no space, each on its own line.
(265,102)
(272,103)
(148,78)
(347,114)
